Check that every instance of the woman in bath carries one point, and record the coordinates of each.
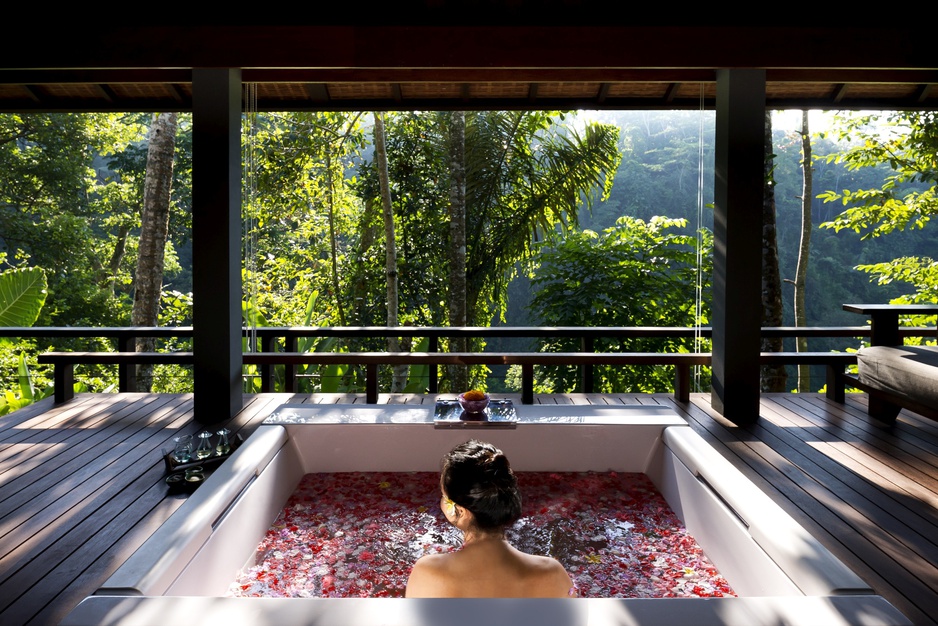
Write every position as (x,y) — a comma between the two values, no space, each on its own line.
(480,497)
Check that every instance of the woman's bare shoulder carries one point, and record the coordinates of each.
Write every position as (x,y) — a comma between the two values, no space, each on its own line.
(553,579)
(426,577)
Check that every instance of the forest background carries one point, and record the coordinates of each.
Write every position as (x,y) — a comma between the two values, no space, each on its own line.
(571,219)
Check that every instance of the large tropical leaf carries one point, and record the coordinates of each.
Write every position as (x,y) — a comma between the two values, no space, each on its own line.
(22,294)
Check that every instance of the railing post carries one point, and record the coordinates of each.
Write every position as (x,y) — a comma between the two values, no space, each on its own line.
(371,383)
(586,371)
(527,383)
(63,381)
(269,342)
(835,383)
(289,370)
(434,369)
(127,373)
(682,383)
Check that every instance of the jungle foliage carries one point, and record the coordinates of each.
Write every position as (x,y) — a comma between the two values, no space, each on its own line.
(551,198)
(905,200)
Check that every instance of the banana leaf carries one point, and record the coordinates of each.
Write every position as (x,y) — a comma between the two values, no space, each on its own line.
(22,294)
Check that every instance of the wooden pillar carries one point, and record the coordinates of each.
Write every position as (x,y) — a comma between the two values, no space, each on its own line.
(216,243)
(737,243)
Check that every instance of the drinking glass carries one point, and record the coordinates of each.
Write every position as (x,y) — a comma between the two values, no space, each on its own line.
(183,450)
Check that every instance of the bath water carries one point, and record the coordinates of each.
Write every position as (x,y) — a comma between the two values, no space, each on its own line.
(358,534)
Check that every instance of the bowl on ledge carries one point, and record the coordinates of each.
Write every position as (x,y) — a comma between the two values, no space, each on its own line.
(473,406)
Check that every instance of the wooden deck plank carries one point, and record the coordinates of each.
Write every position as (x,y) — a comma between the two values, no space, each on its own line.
(36,418)
(56,448)
(835,518)
(906,519)
(86,482)
(89,462)
(70,507)
(834,489)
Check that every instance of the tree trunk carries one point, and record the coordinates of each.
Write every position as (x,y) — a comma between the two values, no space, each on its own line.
(117,257)
(154,227)
(399,379)
(333,237)
(801,271)
(774,378)
(458,375)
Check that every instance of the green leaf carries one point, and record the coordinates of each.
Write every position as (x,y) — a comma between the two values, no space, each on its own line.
(418,376)
(22,295)
(252,316)
(27,392)
(330,377)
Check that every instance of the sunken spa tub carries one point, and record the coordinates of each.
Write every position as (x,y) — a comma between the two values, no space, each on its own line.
(781,574)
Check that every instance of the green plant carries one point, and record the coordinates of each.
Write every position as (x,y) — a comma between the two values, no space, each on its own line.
(22,295)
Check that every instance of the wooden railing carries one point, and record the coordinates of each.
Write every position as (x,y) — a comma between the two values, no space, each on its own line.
(835,362)
(278,346)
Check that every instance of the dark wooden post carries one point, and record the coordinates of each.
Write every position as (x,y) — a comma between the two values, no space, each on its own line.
(371,383)
(289,369)
(267,370)
(126,372)
(216,244)
(434,369)
(586,370)
(527,383)
(737,243)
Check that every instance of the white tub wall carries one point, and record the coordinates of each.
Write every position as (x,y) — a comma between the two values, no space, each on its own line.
(723,538)
(186,555)
(760,549)
(804,610)
(529,447)
(233,543)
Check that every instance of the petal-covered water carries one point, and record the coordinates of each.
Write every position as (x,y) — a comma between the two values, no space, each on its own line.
(358,534)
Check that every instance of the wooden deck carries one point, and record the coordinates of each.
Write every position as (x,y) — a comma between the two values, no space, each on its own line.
(81,486)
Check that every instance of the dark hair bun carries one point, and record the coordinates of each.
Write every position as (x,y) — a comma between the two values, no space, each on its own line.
(477,476)
(498,465)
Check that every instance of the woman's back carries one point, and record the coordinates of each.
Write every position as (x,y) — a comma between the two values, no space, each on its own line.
(489,568)
(480,497)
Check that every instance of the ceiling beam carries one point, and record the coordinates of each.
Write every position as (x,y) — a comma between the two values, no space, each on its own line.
(560,44)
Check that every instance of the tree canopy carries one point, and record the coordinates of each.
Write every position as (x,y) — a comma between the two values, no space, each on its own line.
(906,199)
(593,220)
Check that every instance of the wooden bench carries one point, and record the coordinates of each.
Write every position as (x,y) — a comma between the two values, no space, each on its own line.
(64,363)
(897,377)
(835,362)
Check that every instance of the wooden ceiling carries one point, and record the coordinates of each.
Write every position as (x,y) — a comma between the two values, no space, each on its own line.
(428,56)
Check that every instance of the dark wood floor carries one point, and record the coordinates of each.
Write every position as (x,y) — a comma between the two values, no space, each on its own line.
(81,486)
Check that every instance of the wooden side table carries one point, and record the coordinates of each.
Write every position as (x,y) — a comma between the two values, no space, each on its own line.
(884,319)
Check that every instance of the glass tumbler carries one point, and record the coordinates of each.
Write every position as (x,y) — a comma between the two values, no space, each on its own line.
(183,450)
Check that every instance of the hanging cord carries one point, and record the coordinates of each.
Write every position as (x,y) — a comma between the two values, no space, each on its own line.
(249,212)
(698,288)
